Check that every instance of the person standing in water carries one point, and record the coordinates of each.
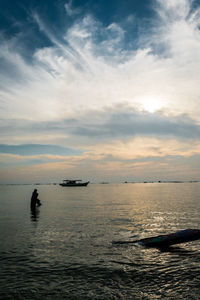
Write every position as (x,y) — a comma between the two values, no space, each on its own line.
(34,199)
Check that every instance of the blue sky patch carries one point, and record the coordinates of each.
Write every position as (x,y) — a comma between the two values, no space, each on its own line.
(37,149)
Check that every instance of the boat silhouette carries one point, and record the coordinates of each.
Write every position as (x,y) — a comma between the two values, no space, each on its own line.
(74,182)
(166,240)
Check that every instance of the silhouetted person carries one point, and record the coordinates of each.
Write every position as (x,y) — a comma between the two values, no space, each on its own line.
(34,200)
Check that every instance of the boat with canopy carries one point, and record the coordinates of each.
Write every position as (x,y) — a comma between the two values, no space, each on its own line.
(74,182)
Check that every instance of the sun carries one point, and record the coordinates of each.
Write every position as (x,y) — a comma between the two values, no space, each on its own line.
(151,104)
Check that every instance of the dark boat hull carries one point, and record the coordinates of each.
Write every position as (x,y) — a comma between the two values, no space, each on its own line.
(167,240)
(76,184)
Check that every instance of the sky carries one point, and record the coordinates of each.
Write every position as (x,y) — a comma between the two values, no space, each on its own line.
(99,90)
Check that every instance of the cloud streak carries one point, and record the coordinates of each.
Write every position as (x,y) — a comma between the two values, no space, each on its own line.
(120,122)
(126,122)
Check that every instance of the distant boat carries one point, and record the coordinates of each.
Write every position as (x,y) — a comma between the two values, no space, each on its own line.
(75,182)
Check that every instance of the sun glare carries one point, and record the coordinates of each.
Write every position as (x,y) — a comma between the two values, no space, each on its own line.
(151,104)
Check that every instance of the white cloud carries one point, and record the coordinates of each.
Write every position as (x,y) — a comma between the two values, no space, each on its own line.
(70,10)
(179,29)
(90,69)
(174,9)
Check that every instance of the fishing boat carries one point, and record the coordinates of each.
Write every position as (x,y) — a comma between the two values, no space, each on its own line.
(166,240)
(74,182)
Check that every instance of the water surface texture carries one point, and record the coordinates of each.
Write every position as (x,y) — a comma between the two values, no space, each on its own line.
(65,250)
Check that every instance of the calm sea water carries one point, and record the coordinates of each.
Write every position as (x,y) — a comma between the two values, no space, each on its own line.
(65,250)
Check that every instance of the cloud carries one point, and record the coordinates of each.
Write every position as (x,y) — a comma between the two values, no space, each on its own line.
(126,122)
(174,10)
(70,10)
(118,122)
(110,169)
(90,66)
(12,160)
(179,30)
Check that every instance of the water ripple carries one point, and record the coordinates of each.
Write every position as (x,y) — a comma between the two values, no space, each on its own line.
(66,251)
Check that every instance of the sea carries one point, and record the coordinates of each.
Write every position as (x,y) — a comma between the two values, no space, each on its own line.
(65,249)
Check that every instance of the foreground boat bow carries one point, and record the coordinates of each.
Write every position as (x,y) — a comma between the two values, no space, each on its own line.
(166,240)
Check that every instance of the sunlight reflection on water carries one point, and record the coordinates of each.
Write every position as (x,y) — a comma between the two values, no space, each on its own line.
(65,247)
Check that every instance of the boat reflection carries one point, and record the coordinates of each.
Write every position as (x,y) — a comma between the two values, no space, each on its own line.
(178,250)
